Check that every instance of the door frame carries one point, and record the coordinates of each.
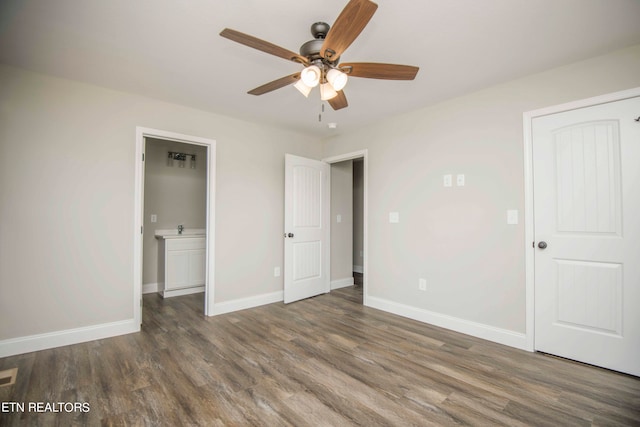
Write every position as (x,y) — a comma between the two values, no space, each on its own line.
(528,193)
(138,213)
(361,154)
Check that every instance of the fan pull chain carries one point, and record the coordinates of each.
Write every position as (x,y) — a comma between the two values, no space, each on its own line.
(321,111)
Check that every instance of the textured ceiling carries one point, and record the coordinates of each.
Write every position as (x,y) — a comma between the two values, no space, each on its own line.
(171,50)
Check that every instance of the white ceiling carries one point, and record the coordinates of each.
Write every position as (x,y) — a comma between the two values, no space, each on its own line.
(171,50)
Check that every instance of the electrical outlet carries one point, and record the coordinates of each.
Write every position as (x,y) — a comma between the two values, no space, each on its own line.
(338,218)
(154,218)
(460,180)
(276,272)
(422,284)
(447,180)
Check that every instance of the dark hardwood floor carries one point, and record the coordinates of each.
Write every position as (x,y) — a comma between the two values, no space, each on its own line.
(327,360)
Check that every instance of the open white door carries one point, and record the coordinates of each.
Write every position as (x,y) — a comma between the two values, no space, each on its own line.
(306,228)
(587,227)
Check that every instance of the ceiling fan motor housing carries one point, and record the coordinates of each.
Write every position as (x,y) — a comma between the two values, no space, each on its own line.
(311,49)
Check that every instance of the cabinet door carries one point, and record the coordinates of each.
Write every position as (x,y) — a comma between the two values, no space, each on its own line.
(177,269)
(197,267)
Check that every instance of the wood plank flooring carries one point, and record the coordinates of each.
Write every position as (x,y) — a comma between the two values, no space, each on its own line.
(325,361)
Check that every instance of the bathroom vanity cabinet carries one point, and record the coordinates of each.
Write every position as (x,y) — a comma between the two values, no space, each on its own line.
(181,264)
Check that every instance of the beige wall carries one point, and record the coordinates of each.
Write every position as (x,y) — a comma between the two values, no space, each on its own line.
(67,196)
(457,237)
(67,200)
(176,195)
(341,232)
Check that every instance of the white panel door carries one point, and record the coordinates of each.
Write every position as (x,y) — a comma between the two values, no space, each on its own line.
(587,213)
(306,226)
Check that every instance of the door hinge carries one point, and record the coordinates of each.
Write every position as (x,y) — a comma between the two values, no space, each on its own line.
(141,229)
(143,157)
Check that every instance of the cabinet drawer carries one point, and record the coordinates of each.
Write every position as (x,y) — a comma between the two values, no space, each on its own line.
(185,243)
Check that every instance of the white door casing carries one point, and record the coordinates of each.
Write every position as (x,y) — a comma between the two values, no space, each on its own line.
(586,181)
(306,228)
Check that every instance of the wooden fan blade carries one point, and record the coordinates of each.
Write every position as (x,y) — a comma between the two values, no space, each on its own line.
(338,102)
(374,70)
(262,45)
(350,23)
(276,84)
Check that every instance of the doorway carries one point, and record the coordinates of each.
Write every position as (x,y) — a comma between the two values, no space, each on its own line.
(175,194)
(351,170)
(208,149)
(347,249)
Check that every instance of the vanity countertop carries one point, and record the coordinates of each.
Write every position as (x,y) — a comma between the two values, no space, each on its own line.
(186,233)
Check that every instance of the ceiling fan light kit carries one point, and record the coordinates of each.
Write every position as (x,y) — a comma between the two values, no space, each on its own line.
(303,88)
(321,56)
(327,92)
(311,75)
(337,78)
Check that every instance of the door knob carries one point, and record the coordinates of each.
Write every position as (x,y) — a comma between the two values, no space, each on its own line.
(290,235)
(542,245)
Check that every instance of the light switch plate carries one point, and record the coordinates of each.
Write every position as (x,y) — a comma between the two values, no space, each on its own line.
(276,272)
(394,217)
(447,180)
(460,180)
(512,216)
(338,218)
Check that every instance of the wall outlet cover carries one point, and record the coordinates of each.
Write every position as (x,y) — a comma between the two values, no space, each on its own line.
(460,180)
(394,217)
(447,180)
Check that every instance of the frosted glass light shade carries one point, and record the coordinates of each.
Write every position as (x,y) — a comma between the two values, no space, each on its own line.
(337,78)
(327,92)
(311,76)
(303,88)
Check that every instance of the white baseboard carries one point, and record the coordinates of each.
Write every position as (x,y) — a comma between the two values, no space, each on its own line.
(150,288)
(180,292)
(244,303)
(39,342)
(478,330)
(358,269)
(341,283)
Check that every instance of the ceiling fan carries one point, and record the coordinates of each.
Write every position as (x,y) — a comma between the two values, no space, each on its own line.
(321,56)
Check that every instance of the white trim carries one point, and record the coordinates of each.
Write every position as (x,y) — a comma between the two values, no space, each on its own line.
(184,291)
(48,340)
(357,269)
(341,283)
(527,119)
(478,330)
(361,154)
(150,288)
(141,134)
(244,303)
